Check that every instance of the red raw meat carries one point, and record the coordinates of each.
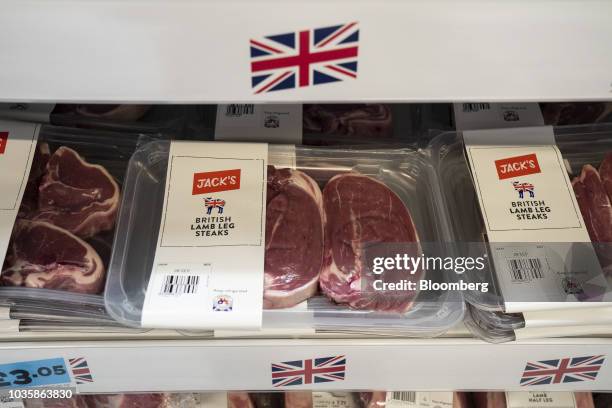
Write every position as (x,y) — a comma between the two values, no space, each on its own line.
(362,211)
(239,400)
(29,202)
(80,197)
(298,399)
(373,399)
(294,238)
(584,400)
(489,400)
(128,401)
(114,112)
(605,172)
(361,121)
(77,401)
(41,255)
(594,204)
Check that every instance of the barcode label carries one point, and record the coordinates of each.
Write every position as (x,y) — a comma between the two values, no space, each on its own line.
(237,110)
(526,269)
(476,107)
(176,285)
(405,396)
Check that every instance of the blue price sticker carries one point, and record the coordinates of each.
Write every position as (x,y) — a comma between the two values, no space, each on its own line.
(34,373)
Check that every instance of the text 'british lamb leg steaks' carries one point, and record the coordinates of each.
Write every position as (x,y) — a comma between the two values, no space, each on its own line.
(41,255)
(362,213)
(80,197)
(294,238)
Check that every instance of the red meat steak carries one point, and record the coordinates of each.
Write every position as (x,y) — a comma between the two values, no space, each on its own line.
(360,212)
(373,399)
(75,195)
(41,255)
(490,400)
(128,401)
(605,172)
(294,238)
(594,204)
(239,400)
(298,399)
(359,120)
(114,112)
(29,202)
(77,401)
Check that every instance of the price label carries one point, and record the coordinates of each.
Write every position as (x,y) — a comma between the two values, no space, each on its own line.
(34,373)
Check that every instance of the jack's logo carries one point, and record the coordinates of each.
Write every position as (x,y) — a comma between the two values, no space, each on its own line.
(3,141)
(517,166)
(522,188)
(211,203)
(215,181)
(223,303)
(304,58)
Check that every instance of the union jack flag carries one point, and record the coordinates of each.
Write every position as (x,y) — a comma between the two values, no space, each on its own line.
(80,370)
(308,57)
(564,370)
(311,371)
(213,202)
(522,186)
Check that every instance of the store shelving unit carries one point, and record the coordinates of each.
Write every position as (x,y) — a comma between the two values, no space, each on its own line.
(198,52)
(415,364)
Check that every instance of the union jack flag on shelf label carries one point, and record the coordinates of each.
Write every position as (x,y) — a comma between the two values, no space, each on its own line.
(304,58)
(563,370)
(80,370)
(310,371)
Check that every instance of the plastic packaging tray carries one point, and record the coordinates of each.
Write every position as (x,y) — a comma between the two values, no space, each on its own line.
(389,124)
(406,172)
(123,118)
(109,149)
(478,324)
(579,145)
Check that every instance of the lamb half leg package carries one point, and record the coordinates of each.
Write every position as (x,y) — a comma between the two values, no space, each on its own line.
(58,215)
(215,235)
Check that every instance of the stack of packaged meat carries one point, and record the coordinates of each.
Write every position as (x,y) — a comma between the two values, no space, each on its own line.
(587,155)
(62,239)
(324,216)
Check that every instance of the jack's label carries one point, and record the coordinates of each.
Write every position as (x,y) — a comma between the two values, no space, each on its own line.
(517,166)
(215,181)
(208,268)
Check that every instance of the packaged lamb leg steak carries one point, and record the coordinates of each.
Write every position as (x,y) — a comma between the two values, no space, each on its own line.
(59,239)
(207,228)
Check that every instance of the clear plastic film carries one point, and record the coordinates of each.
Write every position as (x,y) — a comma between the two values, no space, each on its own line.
(104,153)
(585,150)
(404,175)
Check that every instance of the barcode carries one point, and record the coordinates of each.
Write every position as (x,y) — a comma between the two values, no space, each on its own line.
(240,110)
(476,107)
(177,285)
(407,396)
(526,269)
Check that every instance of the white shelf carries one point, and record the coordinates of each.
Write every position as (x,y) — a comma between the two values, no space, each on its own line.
(397,364)
(198,51)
